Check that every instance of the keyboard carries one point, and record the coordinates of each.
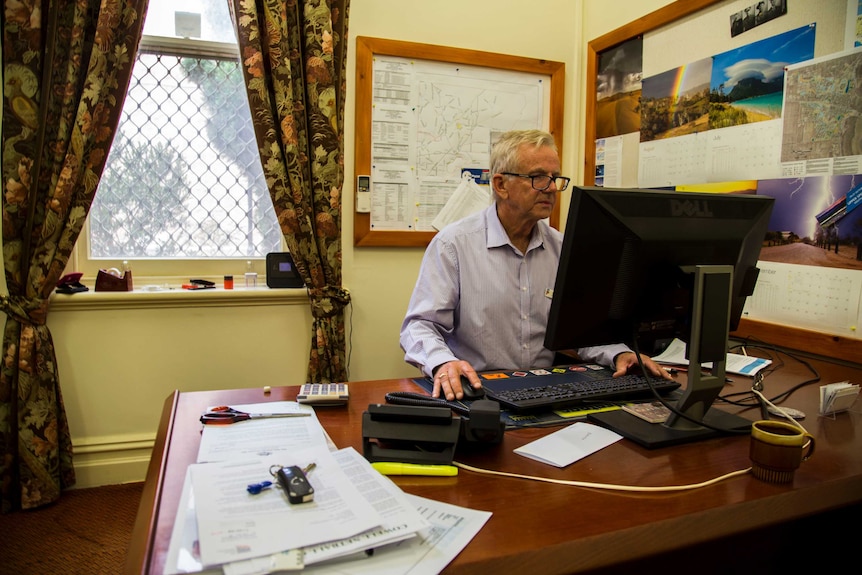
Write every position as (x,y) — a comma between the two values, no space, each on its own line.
(559,393)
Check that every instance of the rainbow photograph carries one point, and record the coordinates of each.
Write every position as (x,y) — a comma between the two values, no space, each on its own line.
(676,102)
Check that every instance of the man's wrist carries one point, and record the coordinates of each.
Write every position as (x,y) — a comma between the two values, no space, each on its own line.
(439,362)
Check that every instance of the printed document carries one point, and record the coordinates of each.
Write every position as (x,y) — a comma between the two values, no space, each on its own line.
(452,528)
(735,363)
(234,524)
(400,521)
(257,437)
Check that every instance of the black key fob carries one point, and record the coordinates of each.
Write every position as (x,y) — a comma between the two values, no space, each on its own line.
(294,482)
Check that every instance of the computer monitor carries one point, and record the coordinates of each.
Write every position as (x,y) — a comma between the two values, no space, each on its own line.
(644,266)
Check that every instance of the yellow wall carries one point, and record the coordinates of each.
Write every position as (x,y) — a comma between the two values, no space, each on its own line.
(118,359)
(381,279)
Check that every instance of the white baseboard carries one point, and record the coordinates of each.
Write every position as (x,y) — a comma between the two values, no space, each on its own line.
(111,460)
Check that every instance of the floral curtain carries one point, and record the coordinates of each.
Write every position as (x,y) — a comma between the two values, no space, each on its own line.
(66,69)
(294,59)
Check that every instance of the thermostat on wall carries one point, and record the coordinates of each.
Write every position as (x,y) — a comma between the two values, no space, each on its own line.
(281,271)
(363,194)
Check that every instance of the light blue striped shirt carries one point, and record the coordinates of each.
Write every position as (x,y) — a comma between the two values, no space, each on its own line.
(479,299)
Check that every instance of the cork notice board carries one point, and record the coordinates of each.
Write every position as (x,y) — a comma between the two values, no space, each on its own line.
(694,29)
(424,114)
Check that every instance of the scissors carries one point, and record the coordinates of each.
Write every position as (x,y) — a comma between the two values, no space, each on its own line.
(223,415)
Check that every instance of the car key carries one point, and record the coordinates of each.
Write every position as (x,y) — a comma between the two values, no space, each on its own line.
(295,484)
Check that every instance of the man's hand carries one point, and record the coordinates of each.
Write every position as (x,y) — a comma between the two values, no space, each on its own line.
(627,362)
(447,379)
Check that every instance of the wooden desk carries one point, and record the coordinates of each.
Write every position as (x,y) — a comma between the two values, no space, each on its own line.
(544,528)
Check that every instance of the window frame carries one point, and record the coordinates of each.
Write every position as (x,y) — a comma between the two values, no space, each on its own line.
(159,270)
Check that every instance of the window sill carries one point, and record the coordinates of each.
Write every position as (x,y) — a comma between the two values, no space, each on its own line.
(178,298)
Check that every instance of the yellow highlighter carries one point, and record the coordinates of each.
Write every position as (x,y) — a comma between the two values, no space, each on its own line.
(391,468)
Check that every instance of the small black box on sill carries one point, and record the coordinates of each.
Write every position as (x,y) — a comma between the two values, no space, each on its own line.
(281,272)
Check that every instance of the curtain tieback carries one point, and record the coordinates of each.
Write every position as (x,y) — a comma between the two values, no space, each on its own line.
(328,301)
(26,311)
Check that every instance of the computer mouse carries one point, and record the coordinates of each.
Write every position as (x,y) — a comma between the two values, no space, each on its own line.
(471,392)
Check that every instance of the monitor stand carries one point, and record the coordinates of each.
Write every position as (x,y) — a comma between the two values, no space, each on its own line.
(710,318)
(656,435)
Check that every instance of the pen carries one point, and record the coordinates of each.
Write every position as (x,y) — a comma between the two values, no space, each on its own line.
(391,468)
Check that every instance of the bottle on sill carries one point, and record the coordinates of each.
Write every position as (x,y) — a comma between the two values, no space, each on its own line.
(250,275)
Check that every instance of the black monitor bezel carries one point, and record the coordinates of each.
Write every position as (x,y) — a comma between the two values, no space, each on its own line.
(699,252)
(578,318)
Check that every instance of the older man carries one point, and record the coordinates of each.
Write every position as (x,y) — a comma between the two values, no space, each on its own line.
(481,299)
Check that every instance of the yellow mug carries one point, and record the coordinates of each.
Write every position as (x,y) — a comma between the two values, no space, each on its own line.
(777,449)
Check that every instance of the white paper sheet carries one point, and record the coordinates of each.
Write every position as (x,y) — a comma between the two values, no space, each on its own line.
(452,528)
(233,524)
(674,354)
(262,437)
(569,444)
(401,520)
(469,197)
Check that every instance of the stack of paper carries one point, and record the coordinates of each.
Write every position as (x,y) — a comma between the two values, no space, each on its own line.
(356,513)
(836,397)
(674,354)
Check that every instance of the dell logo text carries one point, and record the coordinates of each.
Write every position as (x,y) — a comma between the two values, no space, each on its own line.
(697,208)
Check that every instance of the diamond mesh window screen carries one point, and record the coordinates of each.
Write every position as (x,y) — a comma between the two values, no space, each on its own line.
(183,177)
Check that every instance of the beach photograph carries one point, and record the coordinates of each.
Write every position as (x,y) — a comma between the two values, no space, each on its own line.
(747,83)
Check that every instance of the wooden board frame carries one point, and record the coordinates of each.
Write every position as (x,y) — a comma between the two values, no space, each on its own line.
(367,48)
(815,342)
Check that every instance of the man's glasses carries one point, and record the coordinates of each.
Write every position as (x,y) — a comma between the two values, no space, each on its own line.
(541,182)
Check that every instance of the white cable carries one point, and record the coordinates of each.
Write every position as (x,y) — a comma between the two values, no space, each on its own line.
(609,486)
(613,487)
(779,410)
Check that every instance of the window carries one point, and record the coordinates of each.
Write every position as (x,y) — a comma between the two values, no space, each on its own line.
(183,192)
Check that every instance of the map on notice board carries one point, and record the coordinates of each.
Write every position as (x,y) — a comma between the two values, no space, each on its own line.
(430,121)
(822,99)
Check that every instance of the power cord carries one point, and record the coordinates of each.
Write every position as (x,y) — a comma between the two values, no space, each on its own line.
(350,340)
(607,486)
(778,409)
(407,398)
(672,408)
(777,363)
(410,398)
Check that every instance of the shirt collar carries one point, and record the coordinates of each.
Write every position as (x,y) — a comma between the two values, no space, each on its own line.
(498,237)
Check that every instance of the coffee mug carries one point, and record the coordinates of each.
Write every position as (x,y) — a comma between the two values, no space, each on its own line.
(777,450)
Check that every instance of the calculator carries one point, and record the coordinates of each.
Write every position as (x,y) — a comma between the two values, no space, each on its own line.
(323,394)
(653,412)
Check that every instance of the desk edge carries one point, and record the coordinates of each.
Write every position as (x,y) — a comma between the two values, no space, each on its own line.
(141,545)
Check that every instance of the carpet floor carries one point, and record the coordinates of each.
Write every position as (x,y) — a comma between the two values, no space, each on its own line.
(86,532)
